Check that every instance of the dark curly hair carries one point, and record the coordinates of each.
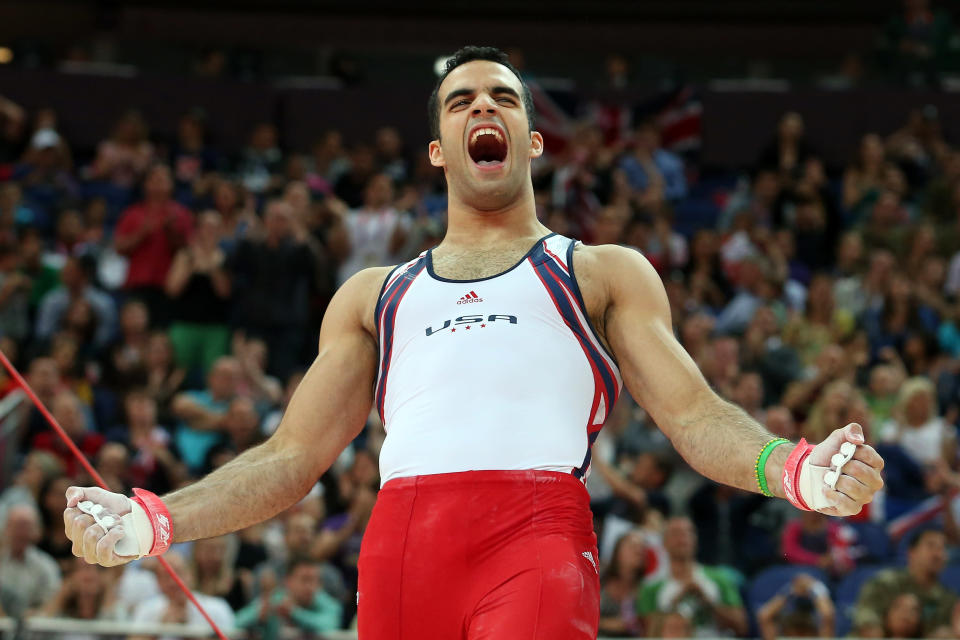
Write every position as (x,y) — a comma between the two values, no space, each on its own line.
(463,56)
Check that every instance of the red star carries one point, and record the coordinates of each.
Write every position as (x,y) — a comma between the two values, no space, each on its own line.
(468,327)
(482,326)
(452,330)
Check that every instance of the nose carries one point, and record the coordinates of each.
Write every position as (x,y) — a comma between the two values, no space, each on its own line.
(484,104)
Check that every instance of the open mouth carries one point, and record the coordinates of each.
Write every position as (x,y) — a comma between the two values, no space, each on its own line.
(487,147)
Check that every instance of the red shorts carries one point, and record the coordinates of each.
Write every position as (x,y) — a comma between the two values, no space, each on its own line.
(480,555)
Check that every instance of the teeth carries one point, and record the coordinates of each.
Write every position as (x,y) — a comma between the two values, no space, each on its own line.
(486,131)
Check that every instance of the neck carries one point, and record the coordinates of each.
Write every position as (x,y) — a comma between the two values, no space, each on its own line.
(921,577)
(469,226)
(681,568)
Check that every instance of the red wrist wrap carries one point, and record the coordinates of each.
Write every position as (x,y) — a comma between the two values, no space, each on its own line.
(160,520)
(791,474)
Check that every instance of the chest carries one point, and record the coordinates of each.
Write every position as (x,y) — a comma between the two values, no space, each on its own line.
(483,264)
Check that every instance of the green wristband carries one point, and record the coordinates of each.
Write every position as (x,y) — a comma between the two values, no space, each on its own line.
(761,464)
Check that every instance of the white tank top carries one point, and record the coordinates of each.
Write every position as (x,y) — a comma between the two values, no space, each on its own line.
(502,373)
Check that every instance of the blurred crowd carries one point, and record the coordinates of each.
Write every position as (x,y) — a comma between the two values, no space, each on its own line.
(163,298)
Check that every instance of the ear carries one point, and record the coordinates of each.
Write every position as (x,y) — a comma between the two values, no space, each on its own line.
(435,151)
(536,144)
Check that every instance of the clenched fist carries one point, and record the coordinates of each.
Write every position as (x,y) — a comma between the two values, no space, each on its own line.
(93,542)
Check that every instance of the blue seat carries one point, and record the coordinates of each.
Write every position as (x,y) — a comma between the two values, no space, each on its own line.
(846,594)
(951,577)
(874,539)
(768,582)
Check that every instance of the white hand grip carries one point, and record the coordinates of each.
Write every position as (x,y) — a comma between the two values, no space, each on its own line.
(129,544)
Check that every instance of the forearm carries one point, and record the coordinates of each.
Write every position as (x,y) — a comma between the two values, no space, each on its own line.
(731,618)
(249,489)
(721,441)
(221,282)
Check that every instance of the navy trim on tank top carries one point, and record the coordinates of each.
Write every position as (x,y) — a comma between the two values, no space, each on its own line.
(583,305)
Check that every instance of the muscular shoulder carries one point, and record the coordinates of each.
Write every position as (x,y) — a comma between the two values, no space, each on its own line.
(357,297)
(607,274)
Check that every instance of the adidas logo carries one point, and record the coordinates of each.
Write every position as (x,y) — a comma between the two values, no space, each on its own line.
(470,297)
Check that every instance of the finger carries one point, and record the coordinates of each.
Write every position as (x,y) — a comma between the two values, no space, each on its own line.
(843,505)
(74,496)
(853,432)
(78,528)
(68,515)
(89,541)
(854,489)
(868,455)
(105,548)
(864,473)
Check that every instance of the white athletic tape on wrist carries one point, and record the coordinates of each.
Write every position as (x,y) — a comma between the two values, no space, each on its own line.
(137,537)
(815,480)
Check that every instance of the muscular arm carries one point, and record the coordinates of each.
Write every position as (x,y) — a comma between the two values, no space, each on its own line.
(715,437)
(326,412)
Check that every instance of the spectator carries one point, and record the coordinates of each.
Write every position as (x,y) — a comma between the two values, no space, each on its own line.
(152,466)
(881,394)
(821,323)
(241,425)
(236,218)
(38,468)
(199,288)
(812,539)
(76,279)
(172,607)
(14,294)
(261,163)
(15,214)
(273,278)
(124,158)
(149,234)
(212,568)
(390,155)
(202,413)
(28,576)
(918,429)
(789,150)
(926,558)
(619,583)
(377,231)
(652,170)
(54,541)
(263,389)
(163,379)
(300,607)
(45,174)
(802,609)
(128,354)
(330,162)
(706,596)
(13,120)
(69,414)
(351,186)
(86,593)
(862,179)
(191,158)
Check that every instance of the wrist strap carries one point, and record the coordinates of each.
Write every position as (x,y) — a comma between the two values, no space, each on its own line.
(761,464)
(791,474)
(160,520)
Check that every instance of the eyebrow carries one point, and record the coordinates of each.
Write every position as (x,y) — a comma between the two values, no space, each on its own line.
(456,93)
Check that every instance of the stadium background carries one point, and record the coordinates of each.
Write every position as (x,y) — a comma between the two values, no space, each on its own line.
(789,167)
